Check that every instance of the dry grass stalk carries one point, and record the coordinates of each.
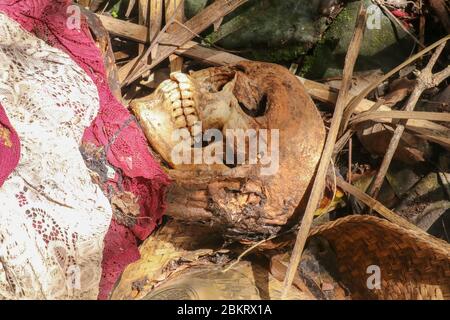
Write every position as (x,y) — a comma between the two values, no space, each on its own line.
(425,129)
(357,100)
(400,115)
(176,62)
(319,184)
(375,205)
(169,42)
(139,69)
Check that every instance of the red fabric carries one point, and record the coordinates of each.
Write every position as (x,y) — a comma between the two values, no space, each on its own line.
(401,14)
(114,128)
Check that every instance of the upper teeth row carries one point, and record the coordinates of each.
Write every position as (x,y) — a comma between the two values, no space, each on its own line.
(179,90)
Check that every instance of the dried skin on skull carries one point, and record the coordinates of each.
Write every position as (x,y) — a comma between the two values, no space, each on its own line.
(249,95)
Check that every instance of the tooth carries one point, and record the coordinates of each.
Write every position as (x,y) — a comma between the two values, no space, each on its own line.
(188,111)
(180,77)
(197,125)
(168,85)
(188,103)
(180,122)
(174,95)
(177,112)
(187,94)
(177,104)
(191,120)
(165,83)
(185,86)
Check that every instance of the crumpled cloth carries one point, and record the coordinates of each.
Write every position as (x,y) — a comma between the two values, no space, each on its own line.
(114,131)
(53,217)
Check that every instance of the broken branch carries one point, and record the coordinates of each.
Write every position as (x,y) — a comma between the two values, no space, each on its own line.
(424,81)
(179,36)
(357,100)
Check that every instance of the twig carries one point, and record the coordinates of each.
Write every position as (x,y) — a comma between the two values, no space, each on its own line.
(402,115)
(319,184)
(131,4)
(138,70)
(427,130)
(335,189)
(176,62)
(377,105)
(426,80)
(155,23)
(178,36)
(44,195)
(445,182)
(357,100)
(375,205)
(422,22)
(247,251)
(341,143)
(350,160)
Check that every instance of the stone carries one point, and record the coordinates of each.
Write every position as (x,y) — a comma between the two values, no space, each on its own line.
(382,48)
(269,30)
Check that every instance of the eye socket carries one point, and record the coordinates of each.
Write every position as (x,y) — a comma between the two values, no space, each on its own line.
(220,85)
(260,110)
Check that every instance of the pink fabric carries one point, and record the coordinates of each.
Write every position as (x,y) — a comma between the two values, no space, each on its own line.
(114,128)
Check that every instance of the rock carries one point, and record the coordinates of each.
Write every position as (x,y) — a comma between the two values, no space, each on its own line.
(376,138)
(403,178)
(382,49)
(270,30)
(427,205)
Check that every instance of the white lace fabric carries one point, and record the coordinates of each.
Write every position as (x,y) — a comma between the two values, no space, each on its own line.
(53,218)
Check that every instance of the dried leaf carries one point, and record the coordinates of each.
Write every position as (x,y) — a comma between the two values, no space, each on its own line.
(125,208)
(5,136)
(376,138)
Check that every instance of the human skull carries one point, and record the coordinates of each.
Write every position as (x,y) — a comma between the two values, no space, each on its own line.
(193,104)
(274,108)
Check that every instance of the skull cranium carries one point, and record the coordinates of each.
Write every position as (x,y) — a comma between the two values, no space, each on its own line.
(249,96)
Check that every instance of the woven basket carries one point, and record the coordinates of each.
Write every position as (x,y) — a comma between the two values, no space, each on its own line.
(413,264)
